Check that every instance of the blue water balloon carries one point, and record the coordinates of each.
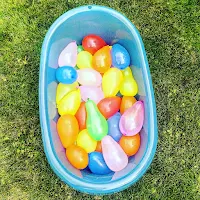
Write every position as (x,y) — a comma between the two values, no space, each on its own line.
(97,164)
(66,75)
(120,56)
(113,127)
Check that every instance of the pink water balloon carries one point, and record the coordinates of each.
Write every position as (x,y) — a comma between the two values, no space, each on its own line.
(89,77)
(68,56)
(113,154)
(132,120)
(92,93)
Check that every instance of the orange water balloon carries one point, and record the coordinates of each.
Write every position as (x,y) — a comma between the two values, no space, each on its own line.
(102,60)
(67,127)
(126,103)
(99,148)
(77,156)
(130,144)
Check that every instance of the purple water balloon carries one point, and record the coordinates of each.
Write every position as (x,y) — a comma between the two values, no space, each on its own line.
(68,56)
(132,120)
(113,154)
(92,93)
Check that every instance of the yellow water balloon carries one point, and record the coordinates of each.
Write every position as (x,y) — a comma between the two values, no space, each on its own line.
(70,103)
(111,82)
(129,86)
(85,141)
(84,60)
(64,89)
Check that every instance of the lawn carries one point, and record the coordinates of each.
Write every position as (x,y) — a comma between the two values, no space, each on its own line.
(170,32)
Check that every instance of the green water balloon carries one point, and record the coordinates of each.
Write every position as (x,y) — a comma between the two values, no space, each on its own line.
(96,123)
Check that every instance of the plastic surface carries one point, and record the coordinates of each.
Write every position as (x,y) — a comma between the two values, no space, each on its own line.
(113,27)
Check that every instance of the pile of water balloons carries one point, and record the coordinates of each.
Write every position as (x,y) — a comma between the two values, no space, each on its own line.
(99,129)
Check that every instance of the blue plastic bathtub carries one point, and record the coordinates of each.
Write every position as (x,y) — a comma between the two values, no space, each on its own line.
(113,27)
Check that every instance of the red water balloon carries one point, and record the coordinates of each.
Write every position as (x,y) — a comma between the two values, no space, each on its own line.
(92,43)
(109,106)
(81,116)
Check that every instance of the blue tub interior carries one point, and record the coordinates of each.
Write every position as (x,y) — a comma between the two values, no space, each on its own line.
(113,28)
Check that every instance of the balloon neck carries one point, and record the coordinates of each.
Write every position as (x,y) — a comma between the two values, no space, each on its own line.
(92,110)
(90,107)
(128,79)
(127,73)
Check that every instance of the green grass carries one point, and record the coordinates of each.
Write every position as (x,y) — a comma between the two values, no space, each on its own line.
(170,34)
